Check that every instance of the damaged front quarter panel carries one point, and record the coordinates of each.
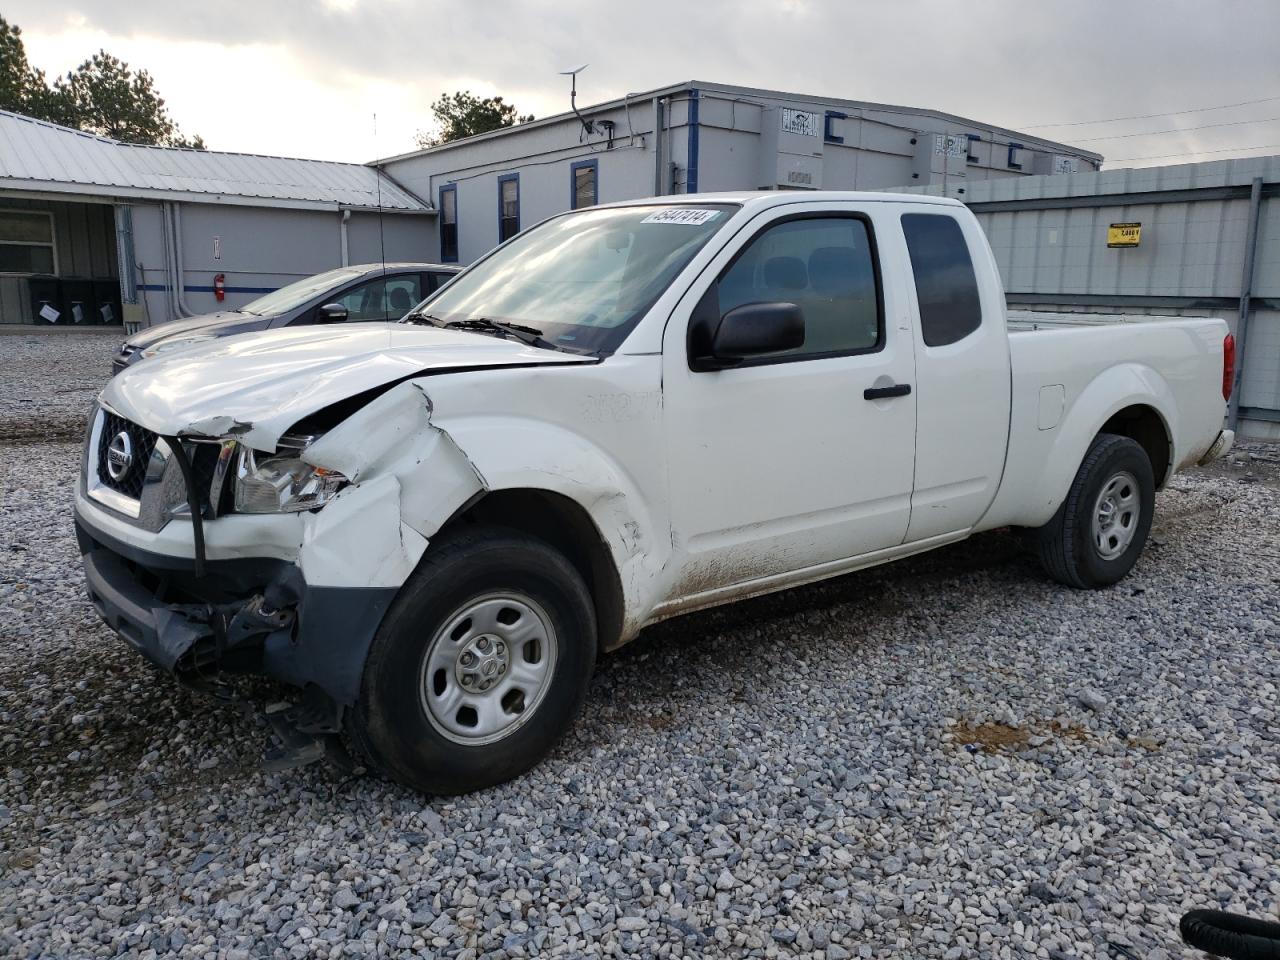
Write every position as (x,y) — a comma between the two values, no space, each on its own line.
(393,437)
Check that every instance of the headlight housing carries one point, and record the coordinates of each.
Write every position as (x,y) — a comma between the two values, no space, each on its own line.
(282,482)
(164,346)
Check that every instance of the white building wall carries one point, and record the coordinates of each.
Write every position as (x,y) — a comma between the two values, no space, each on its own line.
(262,249)
(733,129)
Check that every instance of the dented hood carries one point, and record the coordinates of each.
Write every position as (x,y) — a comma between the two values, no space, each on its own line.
(256,386)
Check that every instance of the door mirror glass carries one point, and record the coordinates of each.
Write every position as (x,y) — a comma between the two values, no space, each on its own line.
(331,313)
(754,329)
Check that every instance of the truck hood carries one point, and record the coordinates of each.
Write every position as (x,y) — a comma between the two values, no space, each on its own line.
(255,387)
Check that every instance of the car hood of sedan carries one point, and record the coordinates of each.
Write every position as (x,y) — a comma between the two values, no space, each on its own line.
(255,387)
(221,323)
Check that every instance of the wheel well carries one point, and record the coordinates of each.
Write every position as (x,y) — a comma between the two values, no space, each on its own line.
(568,527)
(1143,425)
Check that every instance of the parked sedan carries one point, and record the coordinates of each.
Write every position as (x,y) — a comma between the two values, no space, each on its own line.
(371,291)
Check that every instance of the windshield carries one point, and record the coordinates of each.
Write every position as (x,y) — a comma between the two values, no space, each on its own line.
(582,280)
(296,294)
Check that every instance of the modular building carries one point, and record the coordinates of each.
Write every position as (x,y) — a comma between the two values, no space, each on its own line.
(702,137)
(1195,239)
(97,231)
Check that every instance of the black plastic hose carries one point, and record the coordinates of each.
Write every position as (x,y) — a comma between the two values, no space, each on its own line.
(1231,935)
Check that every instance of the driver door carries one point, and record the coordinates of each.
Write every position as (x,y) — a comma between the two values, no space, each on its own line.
(783,462)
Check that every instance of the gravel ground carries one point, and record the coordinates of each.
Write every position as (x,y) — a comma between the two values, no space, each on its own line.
(49,381)
(947,757)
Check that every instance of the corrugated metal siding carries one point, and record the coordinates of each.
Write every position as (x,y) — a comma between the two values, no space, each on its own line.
(1191,248)
(44,153)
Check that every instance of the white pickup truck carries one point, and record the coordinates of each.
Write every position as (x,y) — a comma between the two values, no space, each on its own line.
(433,528)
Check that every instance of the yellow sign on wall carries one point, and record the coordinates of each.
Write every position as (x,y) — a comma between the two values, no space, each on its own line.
(1124,234)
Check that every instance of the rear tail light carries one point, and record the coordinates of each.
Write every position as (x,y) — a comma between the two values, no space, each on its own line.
(1228,365)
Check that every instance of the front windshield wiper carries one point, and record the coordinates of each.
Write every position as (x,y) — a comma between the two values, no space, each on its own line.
(525,334)
(418,316)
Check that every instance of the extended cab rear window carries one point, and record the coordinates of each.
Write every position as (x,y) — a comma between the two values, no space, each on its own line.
(946,286)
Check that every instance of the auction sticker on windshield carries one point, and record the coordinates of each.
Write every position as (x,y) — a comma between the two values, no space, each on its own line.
(685,215)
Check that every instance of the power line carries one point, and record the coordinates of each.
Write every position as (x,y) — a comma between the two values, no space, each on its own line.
(1195,153)
(1145,116)
(1156,133)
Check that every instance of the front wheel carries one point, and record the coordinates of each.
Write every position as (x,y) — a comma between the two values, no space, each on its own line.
(480,665)
(1097,534)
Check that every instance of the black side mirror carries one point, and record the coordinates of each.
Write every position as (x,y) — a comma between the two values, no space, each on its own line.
(751,330)
(331,313)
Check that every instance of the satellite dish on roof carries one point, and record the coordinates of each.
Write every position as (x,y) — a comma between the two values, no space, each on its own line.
(587,125)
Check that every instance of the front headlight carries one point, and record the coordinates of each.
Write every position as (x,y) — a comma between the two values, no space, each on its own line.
(281,482)
(164,346)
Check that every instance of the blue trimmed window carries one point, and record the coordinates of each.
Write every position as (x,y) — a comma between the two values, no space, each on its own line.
(584,186)
(508,206)
(449,223)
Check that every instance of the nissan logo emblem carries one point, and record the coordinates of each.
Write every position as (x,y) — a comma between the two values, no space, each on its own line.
(120,455)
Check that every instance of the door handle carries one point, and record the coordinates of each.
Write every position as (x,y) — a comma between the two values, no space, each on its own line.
(884,393)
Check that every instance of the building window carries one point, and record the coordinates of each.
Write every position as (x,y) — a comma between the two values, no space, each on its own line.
(946,287)
(584,189)
(508,206)
(26,242)
(449,223)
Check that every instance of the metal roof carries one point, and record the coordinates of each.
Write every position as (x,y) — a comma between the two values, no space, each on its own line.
(46,157)
(866,107)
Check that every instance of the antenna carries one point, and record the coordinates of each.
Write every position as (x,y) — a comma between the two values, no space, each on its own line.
(587,125)
(382,240)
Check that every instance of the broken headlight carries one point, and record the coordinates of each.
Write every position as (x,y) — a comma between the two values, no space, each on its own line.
(282,482)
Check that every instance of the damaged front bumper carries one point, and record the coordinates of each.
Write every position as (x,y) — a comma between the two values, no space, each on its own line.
(248,614)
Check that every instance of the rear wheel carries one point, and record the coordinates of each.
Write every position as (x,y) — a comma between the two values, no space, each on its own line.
(480,665)
(1097,534)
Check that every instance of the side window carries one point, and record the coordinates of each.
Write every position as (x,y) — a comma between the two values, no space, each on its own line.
(449,223)
(402,293)
(508,206)
(583,188)
(380,299)
(946,286)
(824,265)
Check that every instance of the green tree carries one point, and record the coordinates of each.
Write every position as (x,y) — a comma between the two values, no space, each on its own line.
(108,98)
(464,114)
(103,95)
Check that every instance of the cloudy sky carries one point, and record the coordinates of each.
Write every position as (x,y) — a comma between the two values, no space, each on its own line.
(305,78)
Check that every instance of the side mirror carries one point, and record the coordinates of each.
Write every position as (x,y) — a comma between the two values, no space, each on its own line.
(331,313)
(751,330)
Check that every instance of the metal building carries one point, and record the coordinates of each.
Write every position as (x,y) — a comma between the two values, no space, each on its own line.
(701,137)
(97,231)
(1198,239)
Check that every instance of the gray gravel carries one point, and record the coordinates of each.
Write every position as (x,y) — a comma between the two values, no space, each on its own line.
(50,379)
(949,757)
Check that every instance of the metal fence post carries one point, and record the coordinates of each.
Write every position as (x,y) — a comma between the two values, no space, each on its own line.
(1246,291)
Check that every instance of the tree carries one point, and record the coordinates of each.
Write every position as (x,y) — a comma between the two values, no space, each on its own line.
(110,99)
(464,114)
(103,95)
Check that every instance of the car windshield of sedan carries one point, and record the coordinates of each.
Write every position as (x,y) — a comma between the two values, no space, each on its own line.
(296,294)
(580,281)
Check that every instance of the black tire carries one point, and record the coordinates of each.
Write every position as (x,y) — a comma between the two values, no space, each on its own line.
(1066,547)
(390,725)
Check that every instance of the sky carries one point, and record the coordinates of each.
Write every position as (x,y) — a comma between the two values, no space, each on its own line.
(305,79)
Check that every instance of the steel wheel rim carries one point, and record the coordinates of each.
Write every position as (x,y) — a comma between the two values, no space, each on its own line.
(488,668)
(1116,513)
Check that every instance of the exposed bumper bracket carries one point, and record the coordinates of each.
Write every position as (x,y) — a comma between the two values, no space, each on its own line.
(1221,447)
